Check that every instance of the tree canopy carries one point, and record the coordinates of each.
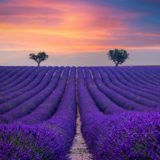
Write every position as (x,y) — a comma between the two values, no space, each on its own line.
(39,57)
(118,56)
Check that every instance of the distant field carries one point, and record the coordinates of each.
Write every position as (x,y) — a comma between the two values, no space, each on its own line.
(119,110)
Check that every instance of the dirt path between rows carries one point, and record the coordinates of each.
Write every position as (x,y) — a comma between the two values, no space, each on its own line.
(79,149)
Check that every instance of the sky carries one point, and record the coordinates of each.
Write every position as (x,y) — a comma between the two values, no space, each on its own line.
(79,32)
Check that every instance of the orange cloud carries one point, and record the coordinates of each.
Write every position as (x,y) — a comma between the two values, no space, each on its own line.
(62,27)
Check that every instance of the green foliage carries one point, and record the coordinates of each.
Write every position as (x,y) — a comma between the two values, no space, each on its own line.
(41,56)
(118,56)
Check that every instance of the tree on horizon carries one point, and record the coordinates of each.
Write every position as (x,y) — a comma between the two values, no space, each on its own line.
(39,57)
(118,56)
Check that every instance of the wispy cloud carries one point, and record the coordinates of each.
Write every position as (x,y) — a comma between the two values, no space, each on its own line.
(74,26)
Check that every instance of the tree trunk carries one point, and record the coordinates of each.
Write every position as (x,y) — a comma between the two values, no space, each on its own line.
(117,64)
(38,64)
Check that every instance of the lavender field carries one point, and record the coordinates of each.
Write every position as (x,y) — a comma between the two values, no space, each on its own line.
(119,110)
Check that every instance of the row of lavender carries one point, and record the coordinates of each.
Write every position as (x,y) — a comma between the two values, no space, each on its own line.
(119,110)
(39,123)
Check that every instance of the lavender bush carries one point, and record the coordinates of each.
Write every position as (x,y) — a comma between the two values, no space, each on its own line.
(119,112)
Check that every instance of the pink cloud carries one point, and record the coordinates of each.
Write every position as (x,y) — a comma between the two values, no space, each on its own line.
(62,26)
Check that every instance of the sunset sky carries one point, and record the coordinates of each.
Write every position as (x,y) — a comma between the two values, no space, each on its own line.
(79,32)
